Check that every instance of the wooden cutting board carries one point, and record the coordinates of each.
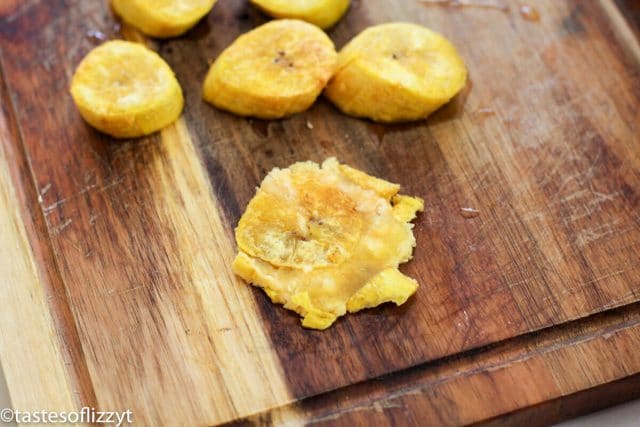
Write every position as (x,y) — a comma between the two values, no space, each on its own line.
(114,255)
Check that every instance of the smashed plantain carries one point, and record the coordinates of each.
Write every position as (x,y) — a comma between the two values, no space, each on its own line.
(162,18)
(323,13)
(326,239)
(126,90)
(396,72)
(273,71)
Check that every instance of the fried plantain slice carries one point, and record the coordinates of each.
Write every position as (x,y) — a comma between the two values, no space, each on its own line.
(273,71)
(387,286)
(290,227)
(405,208)
(126,90)
(396,72)
(323,13)
(162,18)
(313,237)
(384,188)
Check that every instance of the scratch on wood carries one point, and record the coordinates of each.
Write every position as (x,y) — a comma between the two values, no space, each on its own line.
(45,189)
(113,291)
(581,177)
(135,288)
(57,230)
(570,197)
(574,289)
(52,207)
(380,405)
(593,234)
(590,207)
(558,165)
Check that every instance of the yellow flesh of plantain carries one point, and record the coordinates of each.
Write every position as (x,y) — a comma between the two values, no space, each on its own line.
(273,71)
(126,90)
(396,72)
(162,18)
(323,13)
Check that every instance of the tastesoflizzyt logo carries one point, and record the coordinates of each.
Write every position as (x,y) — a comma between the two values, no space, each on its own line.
(84,416)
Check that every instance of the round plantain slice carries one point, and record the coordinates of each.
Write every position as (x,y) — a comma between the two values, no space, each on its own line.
(323,13)
(274,71)
(126,90)
(162,18)
(396,72)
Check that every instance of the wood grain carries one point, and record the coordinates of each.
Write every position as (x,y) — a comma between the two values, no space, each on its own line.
(162,320)
(136,236)
(525,377)
(40,378)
